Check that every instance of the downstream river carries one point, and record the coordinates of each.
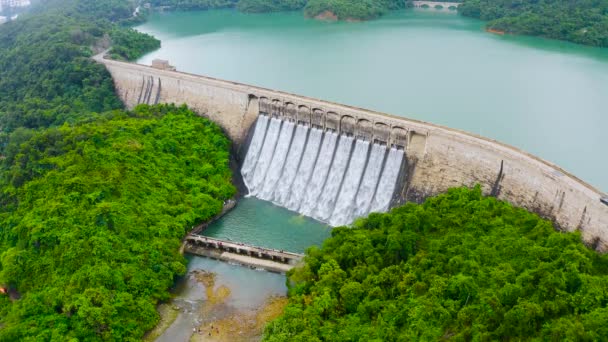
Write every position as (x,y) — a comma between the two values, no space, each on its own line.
(547,97)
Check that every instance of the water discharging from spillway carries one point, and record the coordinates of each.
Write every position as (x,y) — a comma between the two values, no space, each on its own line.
(331,177)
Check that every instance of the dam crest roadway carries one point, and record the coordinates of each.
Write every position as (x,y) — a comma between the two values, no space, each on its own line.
(433,158)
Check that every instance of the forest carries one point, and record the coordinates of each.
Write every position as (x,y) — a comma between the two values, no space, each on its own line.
(94,199)
(47,75)
(459,267)
(92,217)
(578,21)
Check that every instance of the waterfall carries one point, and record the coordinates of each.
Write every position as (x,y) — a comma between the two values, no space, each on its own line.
(343,211)
(319,175)
(253,152)
(369,181)
(281,194)
(307,165)
(278,160)
(388,180)
(331,177)
(327,200)
(265,157)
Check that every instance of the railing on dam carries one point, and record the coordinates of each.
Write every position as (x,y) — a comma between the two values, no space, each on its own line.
(267,258)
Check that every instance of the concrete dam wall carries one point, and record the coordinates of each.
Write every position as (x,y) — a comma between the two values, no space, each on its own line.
(433,158)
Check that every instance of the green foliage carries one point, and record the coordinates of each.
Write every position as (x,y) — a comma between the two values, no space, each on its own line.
(261,6)
(194,4)
(129,44)
(579,21)
(47,75)
(92,216)
(352,9)
(458,267)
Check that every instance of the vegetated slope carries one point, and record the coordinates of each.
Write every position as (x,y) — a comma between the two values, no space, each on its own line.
(47,77)
(579,21)
(352,9)
(458,267)
(194,4)
(92,216)
(261,6)
(94,200)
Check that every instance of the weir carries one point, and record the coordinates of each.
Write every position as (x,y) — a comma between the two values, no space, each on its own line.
(327,182)
(248,255)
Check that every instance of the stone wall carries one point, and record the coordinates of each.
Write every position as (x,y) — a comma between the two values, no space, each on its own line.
(438,158)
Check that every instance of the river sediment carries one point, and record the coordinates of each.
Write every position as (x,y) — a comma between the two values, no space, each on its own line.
(236,301)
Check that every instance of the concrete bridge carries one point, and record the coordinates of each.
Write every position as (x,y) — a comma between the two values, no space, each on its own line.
(438,158)
(437,4)
(269,259)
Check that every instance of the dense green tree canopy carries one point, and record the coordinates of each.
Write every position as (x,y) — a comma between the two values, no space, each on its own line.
(458,267)
(352,9)
(47,77)
(579,21)
(92,216)
(93,200)
(260,6)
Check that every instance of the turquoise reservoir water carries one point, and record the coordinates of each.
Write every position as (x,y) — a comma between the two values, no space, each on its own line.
(547,97)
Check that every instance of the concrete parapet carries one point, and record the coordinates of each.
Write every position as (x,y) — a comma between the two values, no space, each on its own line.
(438,158)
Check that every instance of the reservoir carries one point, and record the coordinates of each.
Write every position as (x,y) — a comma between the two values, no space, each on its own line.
(545,97)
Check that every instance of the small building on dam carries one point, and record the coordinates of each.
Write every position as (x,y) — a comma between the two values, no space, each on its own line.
(335,162)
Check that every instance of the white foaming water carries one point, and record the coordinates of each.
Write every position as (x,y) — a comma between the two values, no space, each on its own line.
(307,165)
(319,175)
(369,182)
(388,180)
(345,204)
(278,160)
(253,152)
(265,157)
(327,200)
(281,194)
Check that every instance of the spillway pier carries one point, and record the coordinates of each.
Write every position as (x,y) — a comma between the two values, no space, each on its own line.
(259,257)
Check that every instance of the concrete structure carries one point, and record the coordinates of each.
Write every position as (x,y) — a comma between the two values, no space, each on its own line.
(437,4)
(438,158)
(269,259)
(14,3)
(162,65)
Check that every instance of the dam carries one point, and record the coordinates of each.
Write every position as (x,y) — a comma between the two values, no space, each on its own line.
(335,162)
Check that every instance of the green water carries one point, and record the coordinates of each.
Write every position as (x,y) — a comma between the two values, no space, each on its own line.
(547,97)
(263,224)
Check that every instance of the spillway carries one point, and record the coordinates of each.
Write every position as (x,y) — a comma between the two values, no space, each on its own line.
(330,176)
(307,165)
